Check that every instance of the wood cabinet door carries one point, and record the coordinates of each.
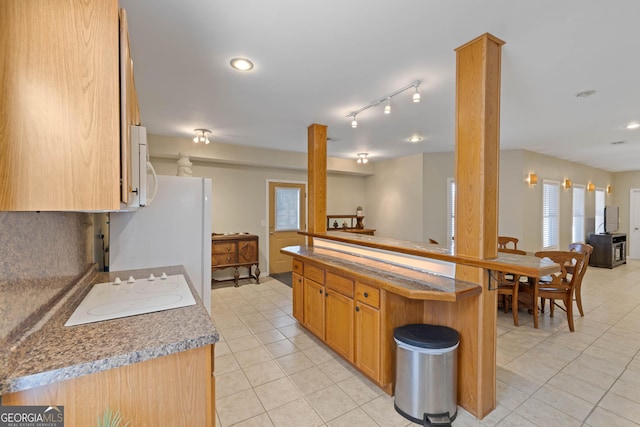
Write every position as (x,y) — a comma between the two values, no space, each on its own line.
(298,297)
(367,337)
(248,251)
(339,324)
(314,307)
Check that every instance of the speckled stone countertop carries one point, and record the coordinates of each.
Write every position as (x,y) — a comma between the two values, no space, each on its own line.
(48,352)
(401,280)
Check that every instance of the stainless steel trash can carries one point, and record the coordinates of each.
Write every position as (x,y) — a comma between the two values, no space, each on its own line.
(426,373)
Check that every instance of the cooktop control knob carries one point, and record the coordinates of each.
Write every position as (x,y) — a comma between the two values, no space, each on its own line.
(117,281)
(131,280)
(164,276)
(152,277)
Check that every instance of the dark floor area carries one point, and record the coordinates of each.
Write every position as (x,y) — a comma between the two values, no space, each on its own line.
(283,277)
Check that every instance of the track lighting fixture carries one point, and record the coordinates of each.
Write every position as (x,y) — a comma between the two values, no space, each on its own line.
(387,98)
(362,158)
(202,135)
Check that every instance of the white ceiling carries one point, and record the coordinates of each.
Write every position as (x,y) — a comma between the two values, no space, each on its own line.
(316,61)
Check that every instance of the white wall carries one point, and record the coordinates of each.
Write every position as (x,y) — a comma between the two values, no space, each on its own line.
(394,198)
(437,168)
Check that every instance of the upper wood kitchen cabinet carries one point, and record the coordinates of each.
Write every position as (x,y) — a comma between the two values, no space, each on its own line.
(60,106)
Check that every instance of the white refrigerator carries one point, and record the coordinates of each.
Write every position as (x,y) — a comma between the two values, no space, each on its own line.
(174,229)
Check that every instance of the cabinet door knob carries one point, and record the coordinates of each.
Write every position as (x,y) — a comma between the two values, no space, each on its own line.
(366,294)
(320,291)
(357,308)
(326,294)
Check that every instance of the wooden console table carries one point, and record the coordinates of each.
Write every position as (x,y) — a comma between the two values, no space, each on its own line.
(233,251)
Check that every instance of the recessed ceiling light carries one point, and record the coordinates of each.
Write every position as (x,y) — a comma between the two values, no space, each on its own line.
(415,138)
(585,93)
(241,64)
(617,142)
(633,125)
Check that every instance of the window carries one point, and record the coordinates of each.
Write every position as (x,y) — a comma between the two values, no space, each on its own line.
(451,210)
(577,232)
(599,226)
(287,209)
(550,214)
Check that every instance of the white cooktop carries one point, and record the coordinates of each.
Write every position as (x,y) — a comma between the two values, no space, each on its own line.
(129,297)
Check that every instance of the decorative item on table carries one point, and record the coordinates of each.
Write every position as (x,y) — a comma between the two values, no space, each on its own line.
(335,223)
(359,211)
(184,165)
(344,224)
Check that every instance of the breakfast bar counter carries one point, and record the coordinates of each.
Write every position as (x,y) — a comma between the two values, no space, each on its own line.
(111,361)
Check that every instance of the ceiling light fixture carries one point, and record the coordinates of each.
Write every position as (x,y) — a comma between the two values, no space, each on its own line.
(362,157)
(241,64)
(387,108)
(633,125)
(415,138)
(202,135)
(585,93)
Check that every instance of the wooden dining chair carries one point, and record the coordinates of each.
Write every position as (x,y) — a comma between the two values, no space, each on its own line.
(586,249)
(508,285)
(560,285)
(505,241)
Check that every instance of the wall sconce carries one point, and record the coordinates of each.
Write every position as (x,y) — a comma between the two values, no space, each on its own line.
(362,158)
(532,179)
(591,186)
(609,189)
(202,135)
(567,184)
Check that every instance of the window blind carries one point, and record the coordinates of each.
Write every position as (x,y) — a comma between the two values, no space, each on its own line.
(550,214)
(577,232)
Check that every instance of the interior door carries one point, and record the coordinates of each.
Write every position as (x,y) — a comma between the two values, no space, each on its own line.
(633,243)
(287,216)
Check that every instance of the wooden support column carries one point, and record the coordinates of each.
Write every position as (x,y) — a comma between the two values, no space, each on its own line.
(476,175)
(317,177)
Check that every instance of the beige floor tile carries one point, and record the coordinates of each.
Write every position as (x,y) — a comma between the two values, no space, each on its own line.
(252,357)
(226,364)
(528,367)
(336,370)
(311,380)
(281,348)
(628,386)
(231,383)
(264,305)
(242,309)
(319,354)
(381,410)
(331,402)
(621,406)
(277,393)
(465,419)
(252,317)
(514,420)
(354,418)
(584,369)
(360,389)
(261,420)
(275,312)
(260,326)
(495,416)
(565,402)
(577,387)
(297,413)
(281,321)
(542,414)
(294,362)
(293,330)
(269,336)
(509,397)
(263,373)
(601,417)
(244,343)
(238,407)
(221,349)
(302,341)
(235,332)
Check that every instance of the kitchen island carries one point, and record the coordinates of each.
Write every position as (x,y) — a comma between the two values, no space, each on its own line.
(152,367)
(352,291)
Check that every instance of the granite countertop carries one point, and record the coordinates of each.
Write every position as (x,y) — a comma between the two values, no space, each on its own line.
(404,281)
(46,351)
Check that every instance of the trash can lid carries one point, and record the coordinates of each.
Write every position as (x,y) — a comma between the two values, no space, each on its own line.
(427,336)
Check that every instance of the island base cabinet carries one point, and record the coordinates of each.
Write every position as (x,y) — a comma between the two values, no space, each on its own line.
(176,390)
(339,324)
(367,340)
(298,301)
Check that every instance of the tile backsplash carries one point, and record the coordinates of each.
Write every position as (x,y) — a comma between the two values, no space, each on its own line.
(38,245)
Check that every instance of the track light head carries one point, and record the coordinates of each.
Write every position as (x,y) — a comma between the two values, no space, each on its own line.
(354,122)
(416,95)
(387,108)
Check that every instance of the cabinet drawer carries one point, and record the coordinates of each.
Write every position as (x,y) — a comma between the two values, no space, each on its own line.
(298,267)
(368,295)
(224,247)
(340,284)
(223,259)
(314,273)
